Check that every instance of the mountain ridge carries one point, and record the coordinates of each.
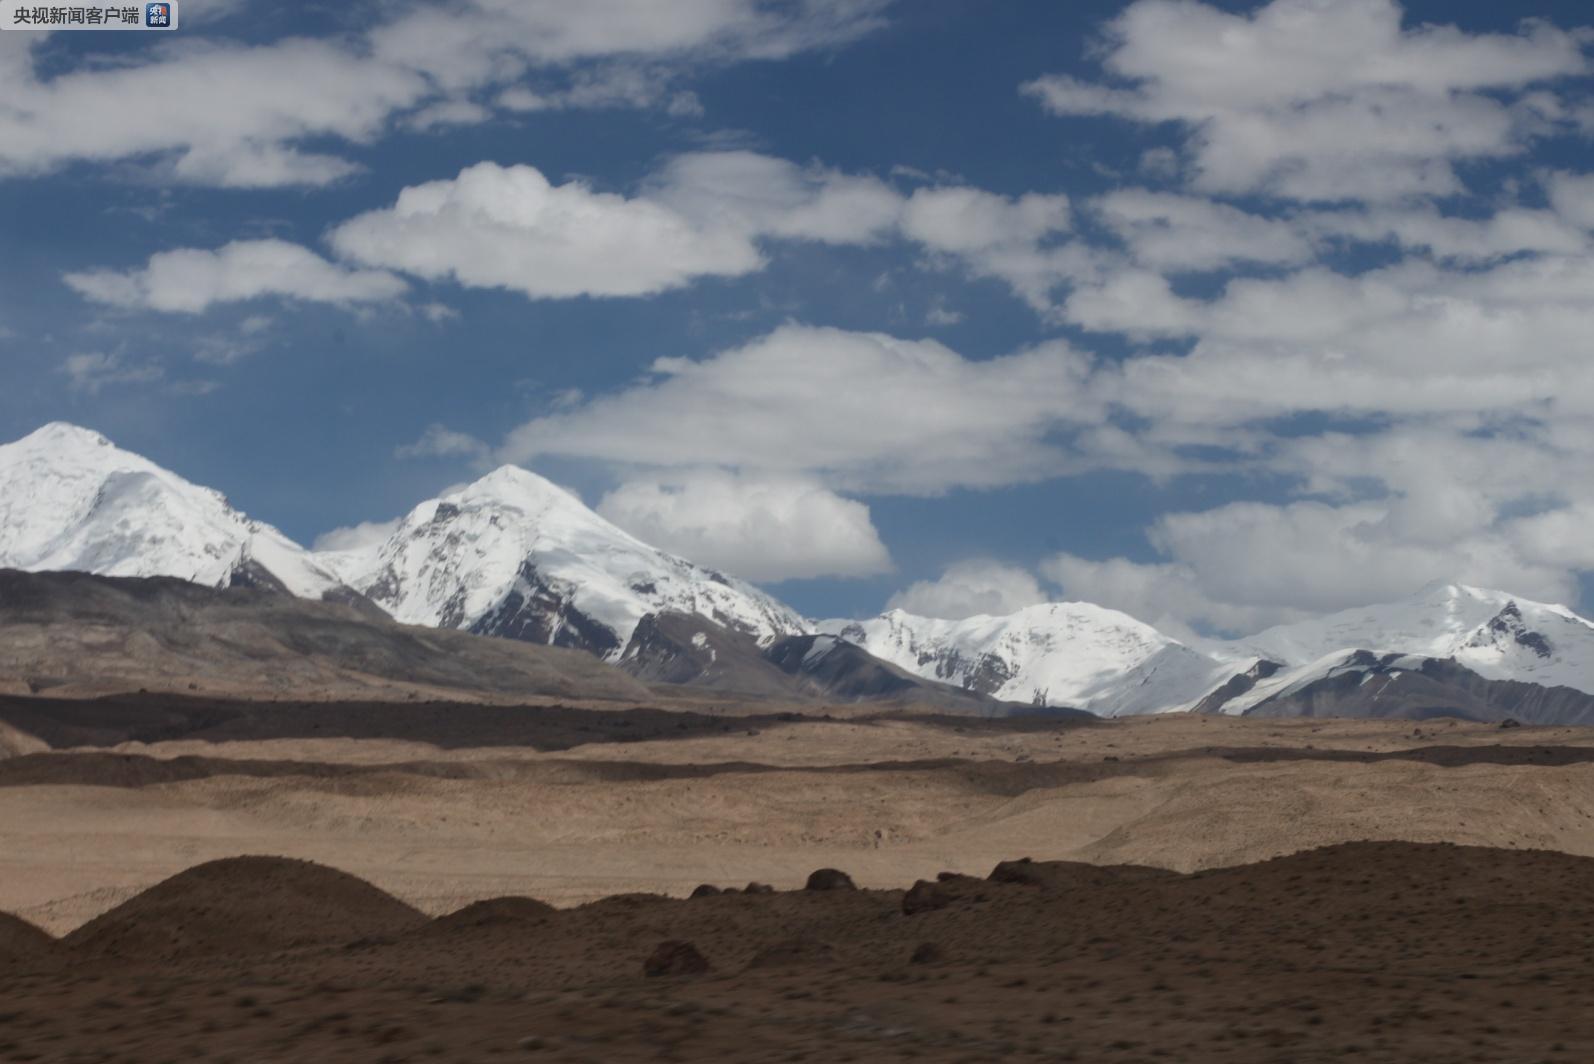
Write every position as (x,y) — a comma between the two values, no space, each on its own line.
(1128,667)
(514,555)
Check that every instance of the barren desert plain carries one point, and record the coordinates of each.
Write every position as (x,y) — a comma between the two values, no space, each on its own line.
(502,882)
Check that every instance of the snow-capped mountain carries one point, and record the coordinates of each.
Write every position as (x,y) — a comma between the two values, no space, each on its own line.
(1449,642)
(70,499)
(515,555)
(1497,635)
(1054,654)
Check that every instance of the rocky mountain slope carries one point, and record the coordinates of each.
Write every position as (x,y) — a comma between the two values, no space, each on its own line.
(75,633)
(1361,683)
(682,649)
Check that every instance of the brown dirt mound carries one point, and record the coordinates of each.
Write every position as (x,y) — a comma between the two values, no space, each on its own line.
(22,945)
(830,879)
(675,958)
(510,910)
(243,905)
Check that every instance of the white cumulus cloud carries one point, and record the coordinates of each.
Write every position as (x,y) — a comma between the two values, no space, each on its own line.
(354,537)
(191,280)
(1318,101)
(440,441)
(969,588)
(864,410)
(241,116)
(760,527)
(510,227)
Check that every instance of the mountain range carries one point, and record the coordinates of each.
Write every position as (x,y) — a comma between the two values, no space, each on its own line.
(516,556)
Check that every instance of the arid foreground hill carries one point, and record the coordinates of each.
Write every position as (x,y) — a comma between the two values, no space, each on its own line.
(1366,952)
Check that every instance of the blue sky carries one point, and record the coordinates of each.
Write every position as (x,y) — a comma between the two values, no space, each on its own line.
(1219,314)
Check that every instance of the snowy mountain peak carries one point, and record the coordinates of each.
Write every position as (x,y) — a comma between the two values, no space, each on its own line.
(58,434)
(70,499)
(514,554)
(515,486)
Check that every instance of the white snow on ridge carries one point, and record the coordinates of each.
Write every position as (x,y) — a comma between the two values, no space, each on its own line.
(821,648)
(1057,653)
(453,560)
(1288,681)
(1495,634)
(1432,623)
(70,499)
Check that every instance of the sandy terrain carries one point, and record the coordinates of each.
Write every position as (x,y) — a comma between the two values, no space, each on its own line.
(1391,951)
(572,805)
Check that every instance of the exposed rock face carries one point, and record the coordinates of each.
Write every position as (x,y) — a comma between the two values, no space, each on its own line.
(1237,685)
(1509,626)
(842,669)
(535,611)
